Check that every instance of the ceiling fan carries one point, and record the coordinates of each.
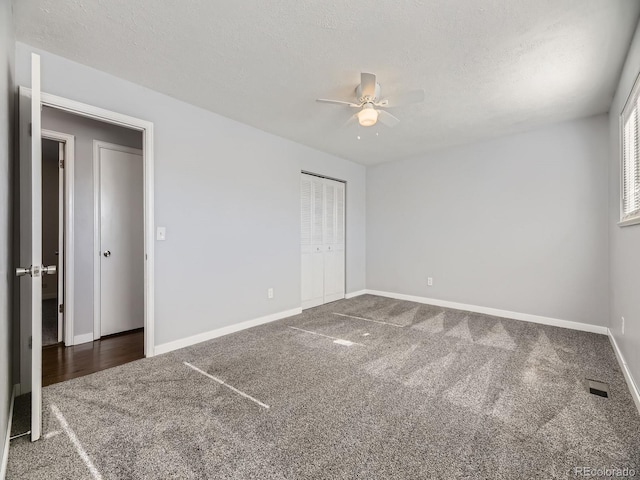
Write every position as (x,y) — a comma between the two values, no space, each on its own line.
(367,99)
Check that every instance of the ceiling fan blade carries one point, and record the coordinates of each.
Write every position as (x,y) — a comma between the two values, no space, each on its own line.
(368,84)
(337,102)
(352,120)
(407,98)
(387,119)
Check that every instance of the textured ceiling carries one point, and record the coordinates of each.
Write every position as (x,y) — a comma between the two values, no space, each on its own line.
(488,67)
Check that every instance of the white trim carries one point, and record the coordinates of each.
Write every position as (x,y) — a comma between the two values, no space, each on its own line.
(97,279)
(631,383)
(146,128)
(526,317)
(69,248)
(5,452)
(84,338)
(219,332)
(62,148)
(629,221)
(96,244)
(355,294)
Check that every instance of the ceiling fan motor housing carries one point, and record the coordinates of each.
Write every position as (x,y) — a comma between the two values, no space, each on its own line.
(365,99)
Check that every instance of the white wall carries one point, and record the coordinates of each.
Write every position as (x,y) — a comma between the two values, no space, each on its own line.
(624,242)
(6,193)
(228,195)
(85,131)
(516,223)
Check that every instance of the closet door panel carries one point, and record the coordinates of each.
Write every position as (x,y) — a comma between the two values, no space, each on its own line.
(312,280)
(306,213)
(333,275)
(311,238)
(317,212)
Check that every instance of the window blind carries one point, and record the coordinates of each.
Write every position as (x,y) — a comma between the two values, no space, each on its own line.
(631,156)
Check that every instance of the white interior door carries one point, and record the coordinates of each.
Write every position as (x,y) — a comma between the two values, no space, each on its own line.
(322,240)
(121,239)
(31,268)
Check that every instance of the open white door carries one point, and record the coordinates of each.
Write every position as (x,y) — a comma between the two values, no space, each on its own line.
(31,267)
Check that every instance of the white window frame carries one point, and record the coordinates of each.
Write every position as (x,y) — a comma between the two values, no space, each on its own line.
(632,103)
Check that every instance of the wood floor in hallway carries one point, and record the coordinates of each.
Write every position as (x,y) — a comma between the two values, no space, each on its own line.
(60,363)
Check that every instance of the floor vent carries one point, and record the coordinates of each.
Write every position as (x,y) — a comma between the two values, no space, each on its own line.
(598,388)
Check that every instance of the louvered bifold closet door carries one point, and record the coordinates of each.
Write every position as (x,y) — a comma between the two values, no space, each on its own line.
(322,240)
(311,240)
(334,288)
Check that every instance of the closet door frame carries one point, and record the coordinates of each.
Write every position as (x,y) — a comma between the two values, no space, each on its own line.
(345,220)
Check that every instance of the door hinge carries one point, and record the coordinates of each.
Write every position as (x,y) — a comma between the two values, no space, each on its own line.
(61,163)
(30,341)
(61,308)
(30,128)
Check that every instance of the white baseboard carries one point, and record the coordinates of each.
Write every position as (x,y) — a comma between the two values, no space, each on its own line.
(527,317)
(84,338)
(631,383)
(355,294)
(5,452)
(219,332)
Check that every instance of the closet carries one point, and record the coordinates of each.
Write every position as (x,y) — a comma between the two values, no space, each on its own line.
(322,240)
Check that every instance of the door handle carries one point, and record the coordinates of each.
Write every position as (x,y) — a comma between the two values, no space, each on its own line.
(21,271)
(50,270)
(107,253)
(35,271)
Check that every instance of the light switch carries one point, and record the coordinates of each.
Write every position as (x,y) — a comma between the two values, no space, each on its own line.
(161,234)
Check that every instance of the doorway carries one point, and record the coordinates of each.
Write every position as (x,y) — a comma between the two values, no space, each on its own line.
(103,164)
(57,236)
(52,240)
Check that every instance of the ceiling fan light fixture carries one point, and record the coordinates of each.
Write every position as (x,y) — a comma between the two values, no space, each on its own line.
(368,116)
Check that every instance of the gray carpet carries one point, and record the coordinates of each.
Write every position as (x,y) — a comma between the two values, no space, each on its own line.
(440,394)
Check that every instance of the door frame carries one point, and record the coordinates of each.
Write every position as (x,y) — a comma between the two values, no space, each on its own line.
(97,265)
(146,127)
(67,245)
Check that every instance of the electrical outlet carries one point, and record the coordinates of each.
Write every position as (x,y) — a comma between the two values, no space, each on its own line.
(430,281)
(270,293)
(622,325)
